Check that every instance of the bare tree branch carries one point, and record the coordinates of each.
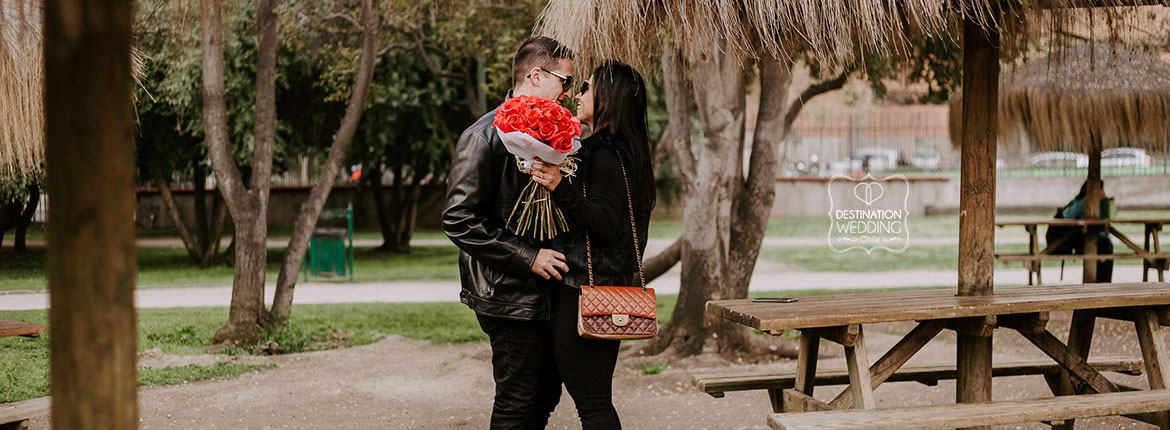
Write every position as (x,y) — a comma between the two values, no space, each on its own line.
(813,91)
(655,266)
(422,50)
(344,16)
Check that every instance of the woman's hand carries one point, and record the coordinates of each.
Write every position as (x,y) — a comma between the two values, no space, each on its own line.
(548,175)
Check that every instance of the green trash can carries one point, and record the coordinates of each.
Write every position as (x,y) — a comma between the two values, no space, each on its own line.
(327,253)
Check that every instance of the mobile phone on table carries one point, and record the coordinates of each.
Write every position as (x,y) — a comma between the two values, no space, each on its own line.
(774,300)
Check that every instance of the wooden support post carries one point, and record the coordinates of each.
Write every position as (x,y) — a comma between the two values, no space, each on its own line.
(1146,245)
(859,377)
(845,335)
(89,159)
(1033,249)
(1093,194)
(1075,365)
(1152,339)
(894,359)
(1035,322)
(806,372)
(974,326)
(1080,339)
(980,124)
(796,401)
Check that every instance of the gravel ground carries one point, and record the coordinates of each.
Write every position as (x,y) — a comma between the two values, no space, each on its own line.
(403,384)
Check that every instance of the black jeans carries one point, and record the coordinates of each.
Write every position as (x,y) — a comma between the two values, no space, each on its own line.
(532,359)
(1105,267)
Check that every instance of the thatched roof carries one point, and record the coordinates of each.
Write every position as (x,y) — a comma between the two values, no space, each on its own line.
(834,33)
(1096,92)
(21,65)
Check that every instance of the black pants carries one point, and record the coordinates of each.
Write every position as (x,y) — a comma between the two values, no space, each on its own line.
(1105,267)
(532,359)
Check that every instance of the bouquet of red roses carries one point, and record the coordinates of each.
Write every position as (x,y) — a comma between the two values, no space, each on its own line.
(534,127)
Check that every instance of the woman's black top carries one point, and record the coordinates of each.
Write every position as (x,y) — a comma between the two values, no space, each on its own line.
(603,215)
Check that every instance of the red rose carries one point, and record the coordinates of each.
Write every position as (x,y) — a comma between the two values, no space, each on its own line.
(546,131)
(532,118)
(516,123)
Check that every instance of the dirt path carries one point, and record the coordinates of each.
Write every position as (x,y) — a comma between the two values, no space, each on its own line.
(402,384)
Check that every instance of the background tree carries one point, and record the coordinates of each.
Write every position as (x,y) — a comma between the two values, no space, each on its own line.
(307,219)
(19,197)
(247,202)
(453,64)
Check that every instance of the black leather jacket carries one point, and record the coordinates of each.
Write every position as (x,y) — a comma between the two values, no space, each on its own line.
(495,265)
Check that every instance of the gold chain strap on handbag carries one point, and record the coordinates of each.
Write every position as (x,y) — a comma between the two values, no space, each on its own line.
(633,228)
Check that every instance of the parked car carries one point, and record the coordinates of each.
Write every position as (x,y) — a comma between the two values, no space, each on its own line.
(1125,157)
(927,159)
(875,159)
(1059,160)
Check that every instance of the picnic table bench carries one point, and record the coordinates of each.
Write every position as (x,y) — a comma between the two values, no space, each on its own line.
(1150,252)
(17,328)
(14,416)
(840,319)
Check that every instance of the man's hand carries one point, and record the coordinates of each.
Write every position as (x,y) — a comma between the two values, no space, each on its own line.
(548,175)
(549,264)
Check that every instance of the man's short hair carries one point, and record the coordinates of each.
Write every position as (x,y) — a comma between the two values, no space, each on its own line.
(537,51)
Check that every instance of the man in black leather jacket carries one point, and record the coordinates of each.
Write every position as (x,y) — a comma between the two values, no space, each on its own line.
(501,273)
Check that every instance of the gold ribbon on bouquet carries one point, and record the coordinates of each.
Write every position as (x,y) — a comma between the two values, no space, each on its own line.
(539,218)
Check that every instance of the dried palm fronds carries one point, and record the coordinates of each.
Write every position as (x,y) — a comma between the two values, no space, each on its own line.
(833,33)
(1077,98)
(22,76)
(21,84)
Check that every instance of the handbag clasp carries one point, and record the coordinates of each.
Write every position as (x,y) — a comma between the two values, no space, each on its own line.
(620,320)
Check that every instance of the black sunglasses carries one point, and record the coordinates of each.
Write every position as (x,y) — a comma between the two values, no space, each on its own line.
(566,81)
(584,87)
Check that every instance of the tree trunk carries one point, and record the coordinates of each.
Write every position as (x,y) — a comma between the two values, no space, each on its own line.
(725,214)
(30,209)
(384,223)
(719,91)
(212,246)
(307,219)
(194,250)
(248,207)
(91,260)
(202,227)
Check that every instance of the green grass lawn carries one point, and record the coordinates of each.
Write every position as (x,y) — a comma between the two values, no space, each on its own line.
(24,362)
(944,257)
(171,267)
(186,331)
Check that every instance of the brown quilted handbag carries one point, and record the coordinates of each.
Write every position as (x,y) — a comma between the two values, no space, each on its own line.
(617,312)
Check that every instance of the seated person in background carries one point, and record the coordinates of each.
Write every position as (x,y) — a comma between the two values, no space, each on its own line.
(1075,209)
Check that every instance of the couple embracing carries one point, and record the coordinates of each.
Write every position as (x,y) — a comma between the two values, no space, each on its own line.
(525,291)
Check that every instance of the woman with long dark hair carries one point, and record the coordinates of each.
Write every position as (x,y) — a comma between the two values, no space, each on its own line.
(614,159)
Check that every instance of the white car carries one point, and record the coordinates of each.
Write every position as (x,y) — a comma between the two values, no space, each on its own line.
(1125,157)
(879,159)
(1059,159)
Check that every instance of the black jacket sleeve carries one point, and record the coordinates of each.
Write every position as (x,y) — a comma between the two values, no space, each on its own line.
(471,190)
(604,212)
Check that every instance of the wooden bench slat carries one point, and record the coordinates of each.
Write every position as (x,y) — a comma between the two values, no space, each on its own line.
(717,384)
(977,414)
(1028,257)
(20,411)
(17,328)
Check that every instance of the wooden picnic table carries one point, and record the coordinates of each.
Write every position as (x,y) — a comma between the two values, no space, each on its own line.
(1150,252)
(17,328)
(840,318)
